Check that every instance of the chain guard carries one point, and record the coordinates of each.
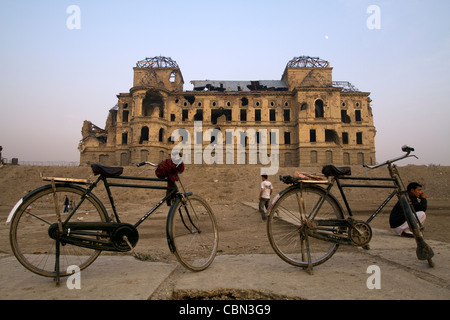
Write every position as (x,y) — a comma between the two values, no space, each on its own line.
(118,240)
(106,236)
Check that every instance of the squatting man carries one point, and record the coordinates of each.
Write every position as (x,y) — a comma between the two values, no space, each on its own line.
(397,218)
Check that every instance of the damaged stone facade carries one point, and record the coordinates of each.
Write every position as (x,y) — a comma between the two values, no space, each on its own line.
(319,121)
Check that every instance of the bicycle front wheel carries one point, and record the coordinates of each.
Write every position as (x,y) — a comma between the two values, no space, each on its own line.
(284,225)
(192,232)
(29,233)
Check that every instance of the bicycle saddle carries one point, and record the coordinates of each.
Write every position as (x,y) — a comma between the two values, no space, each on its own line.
(333,171)
(106,171)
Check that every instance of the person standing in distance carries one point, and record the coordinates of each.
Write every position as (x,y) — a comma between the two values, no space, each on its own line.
(264,196)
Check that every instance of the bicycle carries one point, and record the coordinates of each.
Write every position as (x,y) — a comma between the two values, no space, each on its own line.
(306,223)
(49,233)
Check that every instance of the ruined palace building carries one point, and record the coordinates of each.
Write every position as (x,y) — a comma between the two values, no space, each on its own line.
(317,120)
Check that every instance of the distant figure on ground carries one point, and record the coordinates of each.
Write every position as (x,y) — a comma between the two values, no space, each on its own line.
(397,218)
(264,196)
(66,205)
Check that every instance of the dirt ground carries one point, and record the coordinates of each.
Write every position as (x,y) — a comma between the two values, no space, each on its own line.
(240,226)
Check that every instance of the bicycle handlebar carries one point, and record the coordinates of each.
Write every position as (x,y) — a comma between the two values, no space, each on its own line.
(405,148)
(140,164)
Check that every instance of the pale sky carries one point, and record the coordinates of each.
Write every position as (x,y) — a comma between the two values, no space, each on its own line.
(52,78)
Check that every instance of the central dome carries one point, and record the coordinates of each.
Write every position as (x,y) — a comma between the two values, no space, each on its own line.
(157,62)
(307,62)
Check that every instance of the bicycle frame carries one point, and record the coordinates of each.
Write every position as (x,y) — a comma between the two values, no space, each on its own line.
(375,186)
(394,179)
(172,192)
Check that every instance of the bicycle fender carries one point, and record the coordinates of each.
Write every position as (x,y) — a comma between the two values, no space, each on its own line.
(19,203)
(13,211)
(169,226)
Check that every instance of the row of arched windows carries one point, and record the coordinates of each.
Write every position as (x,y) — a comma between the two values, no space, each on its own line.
(145,135)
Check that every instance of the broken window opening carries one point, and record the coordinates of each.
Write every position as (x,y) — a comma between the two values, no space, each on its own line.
(345,117)
(272,115)
(198,115)
(319,109)
(125,138)
(243,115)
(357,115)
(331,136)
(185,115)
(172,77)
(257,115)
(125,116)
(359,138)
(287,115)
(244,101)
(217,113)
(287,138)
(344,137)
(152,105)
(161,135)
(144,135)
(312,135)
(190,99)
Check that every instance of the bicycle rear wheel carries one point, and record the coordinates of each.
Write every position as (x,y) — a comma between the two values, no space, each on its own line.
(284,225)
(29,232)
(192,232)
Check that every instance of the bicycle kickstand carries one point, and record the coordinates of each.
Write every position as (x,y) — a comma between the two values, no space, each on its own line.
(134,253)
(308,253)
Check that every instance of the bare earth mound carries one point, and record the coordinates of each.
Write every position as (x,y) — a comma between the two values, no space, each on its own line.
(226,189)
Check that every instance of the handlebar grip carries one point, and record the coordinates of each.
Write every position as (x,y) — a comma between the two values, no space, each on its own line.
(140,164)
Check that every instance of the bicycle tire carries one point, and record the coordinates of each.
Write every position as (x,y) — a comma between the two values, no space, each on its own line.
(192,232)
(284,225)
(29,237)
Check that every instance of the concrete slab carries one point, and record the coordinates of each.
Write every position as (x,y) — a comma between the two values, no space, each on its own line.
(108,278)
(349,274)
(345,276)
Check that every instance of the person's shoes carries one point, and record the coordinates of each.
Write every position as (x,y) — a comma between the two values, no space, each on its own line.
(407,235)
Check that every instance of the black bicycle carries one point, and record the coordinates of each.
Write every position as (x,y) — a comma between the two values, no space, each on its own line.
(64,223)
(306,223)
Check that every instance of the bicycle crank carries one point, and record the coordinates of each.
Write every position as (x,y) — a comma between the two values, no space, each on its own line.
(360,233)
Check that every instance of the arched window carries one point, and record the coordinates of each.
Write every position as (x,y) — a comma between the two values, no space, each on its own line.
(161,135)
(144,134)
(319,108)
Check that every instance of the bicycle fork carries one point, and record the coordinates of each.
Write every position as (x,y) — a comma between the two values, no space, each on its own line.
(423,251)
